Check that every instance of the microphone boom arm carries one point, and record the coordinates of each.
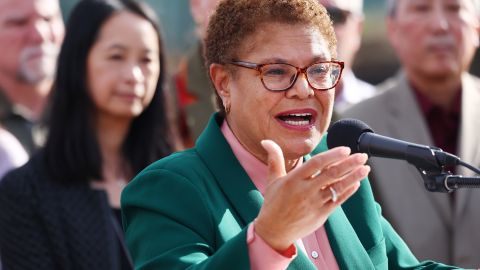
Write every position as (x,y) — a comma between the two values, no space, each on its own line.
(446,183)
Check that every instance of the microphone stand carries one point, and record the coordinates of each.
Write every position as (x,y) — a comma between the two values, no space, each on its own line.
(446,182)
(458,181)
(437,179)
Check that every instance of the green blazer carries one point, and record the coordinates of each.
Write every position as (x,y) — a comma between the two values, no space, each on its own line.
(192,210)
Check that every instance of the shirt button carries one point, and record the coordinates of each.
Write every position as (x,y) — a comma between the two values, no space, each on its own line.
(314,254)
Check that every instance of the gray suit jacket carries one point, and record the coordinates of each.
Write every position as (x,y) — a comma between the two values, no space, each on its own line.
(432,226)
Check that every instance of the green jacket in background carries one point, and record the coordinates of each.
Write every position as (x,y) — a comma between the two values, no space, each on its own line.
(192,210)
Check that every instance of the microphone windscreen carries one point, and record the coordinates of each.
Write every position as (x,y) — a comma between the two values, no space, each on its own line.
(346,132)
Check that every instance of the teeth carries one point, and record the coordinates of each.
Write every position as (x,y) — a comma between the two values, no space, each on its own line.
(301,114)
(297,123)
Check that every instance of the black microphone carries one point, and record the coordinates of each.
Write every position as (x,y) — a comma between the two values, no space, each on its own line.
(360,138)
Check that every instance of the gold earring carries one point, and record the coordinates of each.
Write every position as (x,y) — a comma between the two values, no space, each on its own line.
(227,108)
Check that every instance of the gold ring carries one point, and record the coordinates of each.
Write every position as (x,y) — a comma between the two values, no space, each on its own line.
(315,174)
(334,194)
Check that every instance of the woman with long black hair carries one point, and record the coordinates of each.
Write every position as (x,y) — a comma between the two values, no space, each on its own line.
(107,121)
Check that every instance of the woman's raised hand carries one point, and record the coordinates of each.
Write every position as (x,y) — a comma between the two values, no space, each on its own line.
(299,202)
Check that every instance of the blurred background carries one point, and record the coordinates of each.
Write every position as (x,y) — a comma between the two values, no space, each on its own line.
(374,62)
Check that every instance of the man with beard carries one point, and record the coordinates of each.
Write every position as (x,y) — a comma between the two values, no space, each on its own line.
(432,101)
(31,32)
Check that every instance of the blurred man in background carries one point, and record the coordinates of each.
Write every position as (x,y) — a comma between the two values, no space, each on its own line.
(347,17)
(194,91)
(432,101)
(31,32)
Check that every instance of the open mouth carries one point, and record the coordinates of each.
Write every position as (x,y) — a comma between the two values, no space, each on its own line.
(297,119)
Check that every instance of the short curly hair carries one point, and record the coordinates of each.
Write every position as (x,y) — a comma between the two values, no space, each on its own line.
(235,20)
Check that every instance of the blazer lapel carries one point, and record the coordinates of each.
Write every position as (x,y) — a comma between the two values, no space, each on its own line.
(229,174)
(469,143)
(410,116)
(469,140)
(407,115)
(416,131)
(346,246)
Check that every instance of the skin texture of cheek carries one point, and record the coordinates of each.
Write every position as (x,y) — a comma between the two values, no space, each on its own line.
(150,87)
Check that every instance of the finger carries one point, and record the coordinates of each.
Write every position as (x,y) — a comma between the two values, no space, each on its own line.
(275,161)
(340,169)
(321,161)
(351,179)
(343,197)
(327,194)
(347,193)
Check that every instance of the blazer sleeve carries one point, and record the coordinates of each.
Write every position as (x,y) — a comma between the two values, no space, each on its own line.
(169,225)
(23,243)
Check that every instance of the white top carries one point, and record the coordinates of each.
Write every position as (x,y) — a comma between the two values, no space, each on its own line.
(12,154)
(354,90)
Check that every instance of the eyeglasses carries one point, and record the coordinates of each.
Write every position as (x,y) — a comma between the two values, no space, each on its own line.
(320,76)
(338,16)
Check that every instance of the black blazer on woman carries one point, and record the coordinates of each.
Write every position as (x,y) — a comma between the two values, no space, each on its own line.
(45,224)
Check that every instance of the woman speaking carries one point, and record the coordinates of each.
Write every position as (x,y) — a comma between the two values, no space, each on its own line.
(260,190)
